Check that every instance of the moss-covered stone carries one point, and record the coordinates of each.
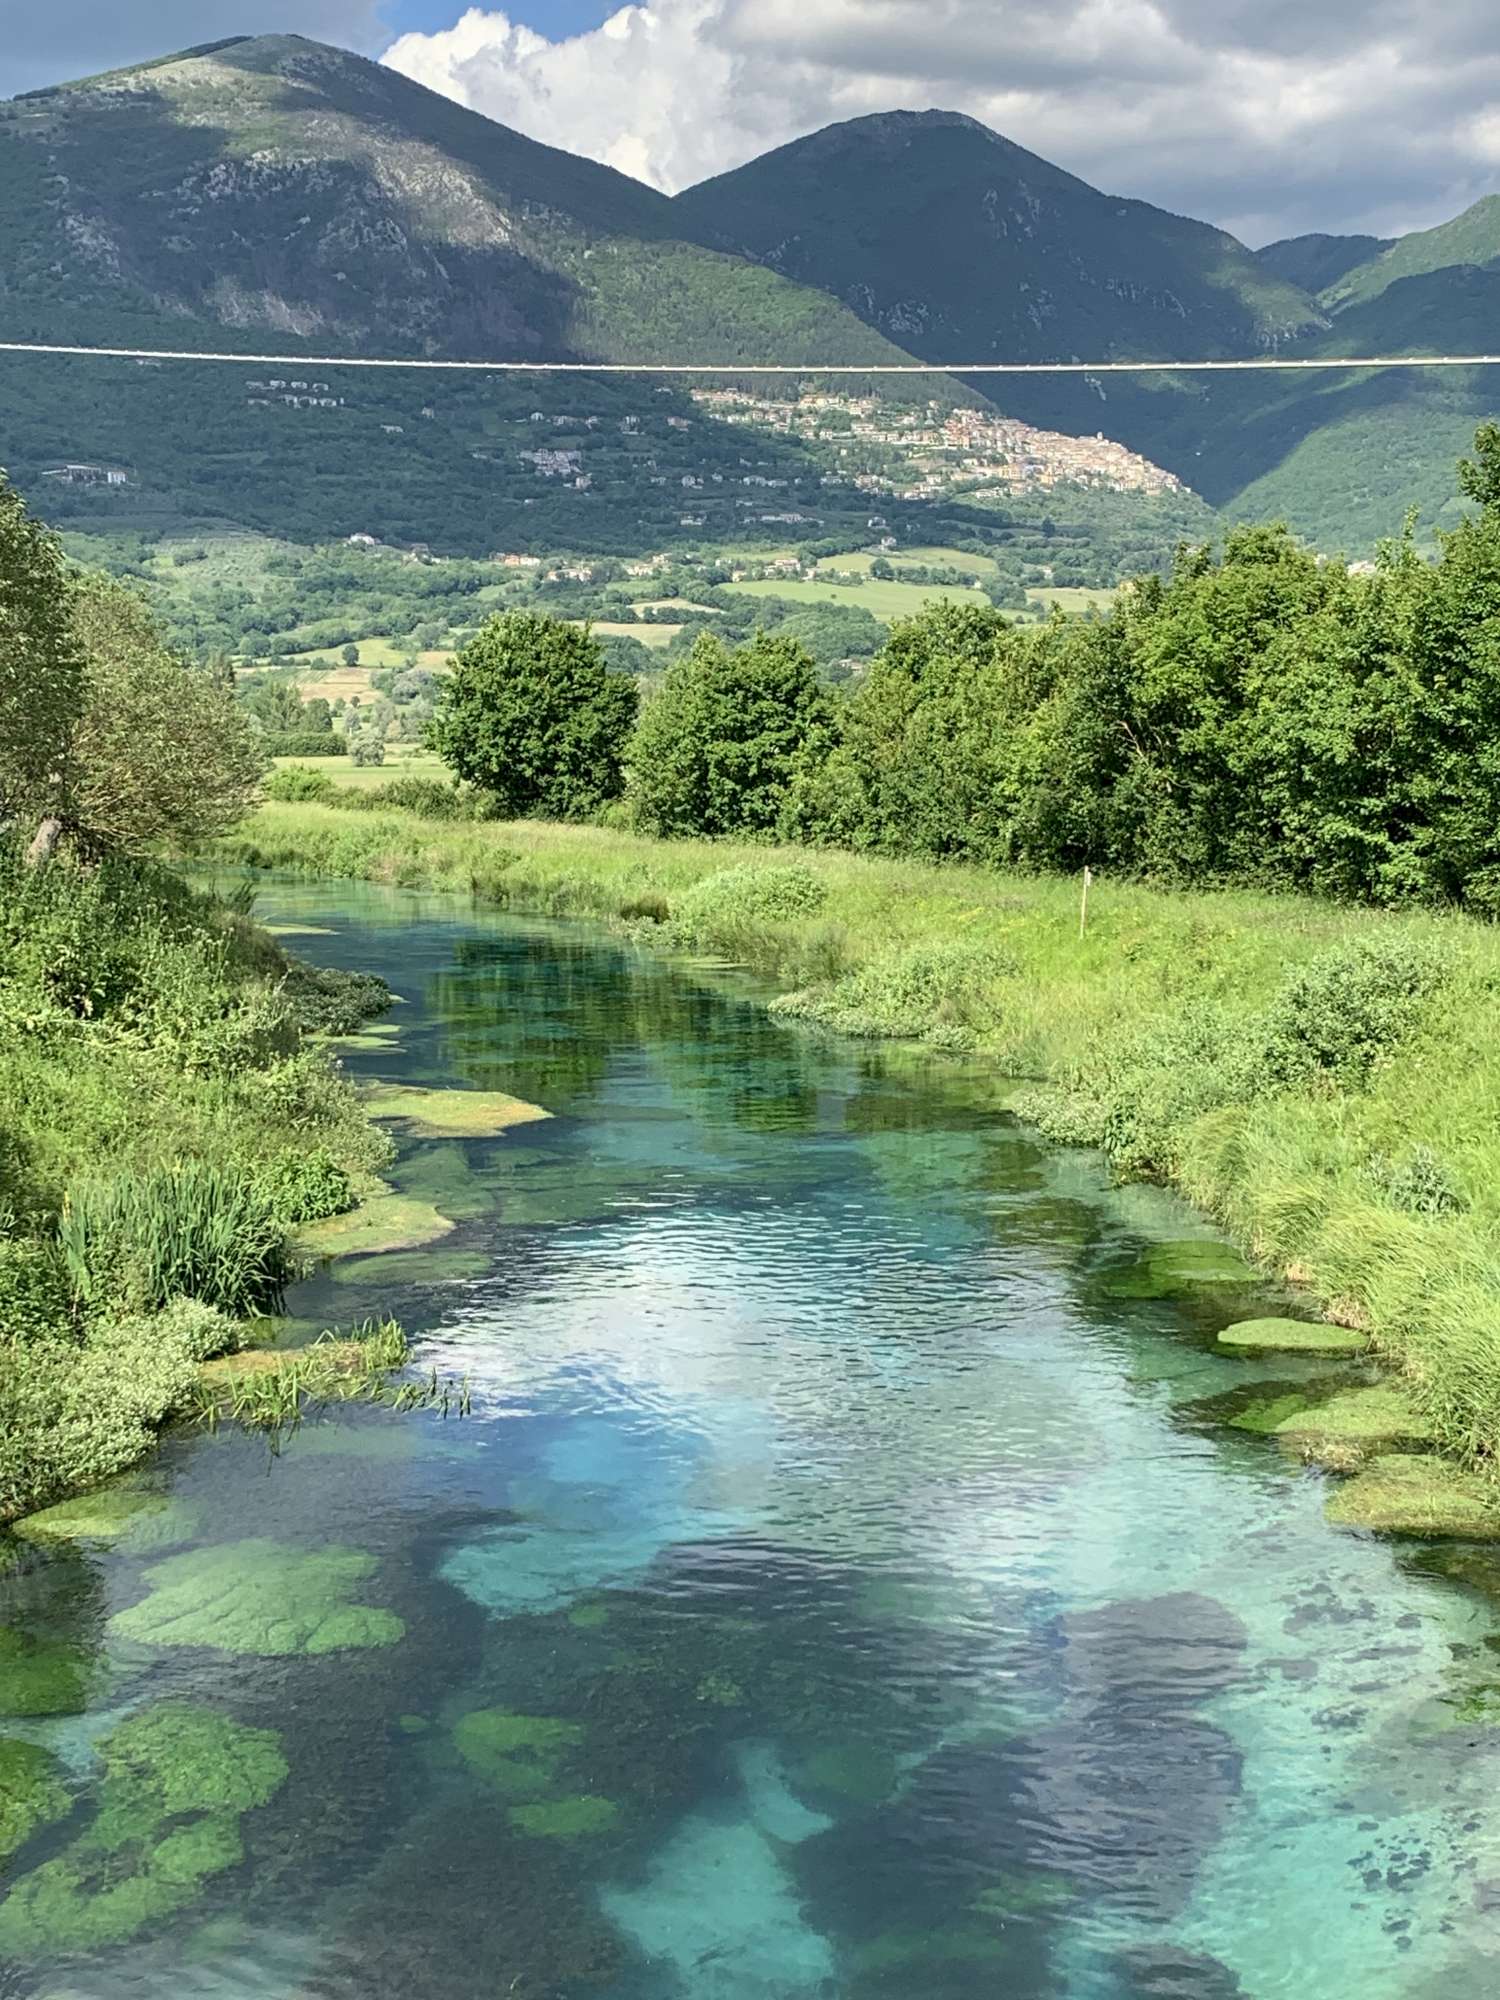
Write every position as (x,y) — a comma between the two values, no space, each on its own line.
(518,1754)
(450,1114)
(260,1598)
(32,1793)
(565,1819)
(1402,1493)
(177,1781)
(383,1221)
(1167,1270)
(1291,1336)
(117,1517)
(39,1677)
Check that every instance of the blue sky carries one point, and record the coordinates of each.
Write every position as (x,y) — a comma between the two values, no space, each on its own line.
(553,18)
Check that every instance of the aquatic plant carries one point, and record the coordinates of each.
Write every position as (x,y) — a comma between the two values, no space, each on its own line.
(31,1793)
(384,1220)
(951,992)
(177,1781)
(261,1598)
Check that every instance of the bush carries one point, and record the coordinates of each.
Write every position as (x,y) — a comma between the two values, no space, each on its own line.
(298,784)
(35,1298)
(366,750)
(1347,1011)
(327,1001)
(192,1231)
(306,743)
(305,1187)
(773,894)
(946,993)
(428,798)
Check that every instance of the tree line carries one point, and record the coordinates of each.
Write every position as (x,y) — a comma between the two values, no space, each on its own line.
(1260,716)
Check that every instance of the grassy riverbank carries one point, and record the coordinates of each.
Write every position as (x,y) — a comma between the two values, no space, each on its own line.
(166,1123)
(1322,1079)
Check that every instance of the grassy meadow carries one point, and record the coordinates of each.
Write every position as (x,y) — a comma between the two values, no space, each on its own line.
(1375,1184)
(885,601)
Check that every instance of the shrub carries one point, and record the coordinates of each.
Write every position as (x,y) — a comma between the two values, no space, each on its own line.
(191,1231)
(771,894)
(428,798)
(1347,1011)
(327,1001)
(1420,1184)
(947,993)
(35,1298)
(305,1187)
(366,750)
(299,783)
(306,743)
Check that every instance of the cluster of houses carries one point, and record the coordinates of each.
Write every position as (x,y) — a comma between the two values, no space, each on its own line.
(919,452)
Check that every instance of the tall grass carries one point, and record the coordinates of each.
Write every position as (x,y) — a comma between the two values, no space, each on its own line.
(191,1231)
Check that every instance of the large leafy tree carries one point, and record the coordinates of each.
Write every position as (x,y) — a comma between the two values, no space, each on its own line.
(532,715)
(41,668)
(160,751)
(719,743)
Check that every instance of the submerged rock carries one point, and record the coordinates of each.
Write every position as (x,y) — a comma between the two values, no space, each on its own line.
(1409,1493)
(1292,1336)
(262,1598)
(573,1818)
(177,1781)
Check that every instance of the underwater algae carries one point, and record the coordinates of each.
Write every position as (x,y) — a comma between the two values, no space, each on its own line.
(32,1793)
(177,1781)
(261,1598)
(1381,1414)
(450,1114)
(570,1818)
(1292,1336)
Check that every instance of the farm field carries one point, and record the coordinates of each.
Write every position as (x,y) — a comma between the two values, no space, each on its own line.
(402,760)
(655,636)
(885,601)
(1072,598)
(899,559)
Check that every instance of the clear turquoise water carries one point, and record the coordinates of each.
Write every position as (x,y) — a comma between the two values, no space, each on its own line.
(888,1607)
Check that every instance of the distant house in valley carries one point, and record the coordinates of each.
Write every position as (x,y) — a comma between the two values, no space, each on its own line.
(88,475)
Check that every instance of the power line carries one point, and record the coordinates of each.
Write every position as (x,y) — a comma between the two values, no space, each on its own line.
(1261,363)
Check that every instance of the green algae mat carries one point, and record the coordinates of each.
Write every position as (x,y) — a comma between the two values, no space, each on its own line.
(261,1598)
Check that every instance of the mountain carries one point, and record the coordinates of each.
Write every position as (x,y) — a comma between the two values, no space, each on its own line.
(960,245)
(964,247)
(1469,240)
(275,185)
(1312,263)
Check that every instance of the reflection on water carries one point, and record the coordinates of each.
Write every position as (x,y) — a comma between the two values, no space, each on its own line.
(845,1586)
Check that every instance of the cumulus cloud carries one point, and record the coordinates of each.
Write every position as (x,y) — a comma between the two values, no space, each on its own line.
(1267,116)
(61,39)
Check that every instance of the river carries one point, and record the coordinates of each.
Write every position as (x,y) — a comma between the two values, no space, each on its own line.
(844,1585)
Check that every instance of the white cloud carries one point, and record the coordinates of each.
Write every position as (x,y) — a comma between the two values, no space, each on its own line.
(1268,116)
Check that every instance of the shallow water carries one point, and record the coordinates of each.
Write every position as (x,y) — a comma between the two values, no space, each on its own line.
(844,1586)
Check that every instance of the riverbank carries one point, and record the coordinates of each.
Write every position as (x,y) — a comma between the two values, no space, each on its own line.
(168,1120)
(1321,1079)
